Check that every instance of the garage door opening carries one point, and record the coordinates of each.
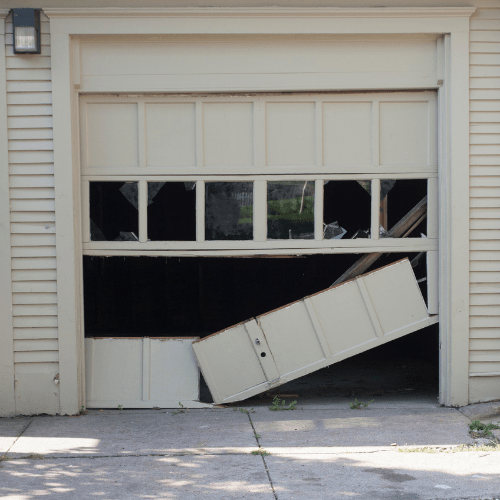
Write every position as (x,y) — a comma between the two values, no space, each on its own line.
(232,209)
(157,297)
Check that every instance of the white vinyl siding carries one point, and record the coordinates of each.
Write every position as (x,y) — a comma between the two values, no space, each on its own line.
(31,174)
(484,358)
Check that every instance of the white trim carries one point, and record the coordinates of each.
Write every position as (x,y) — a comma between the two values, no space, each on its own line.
(272,20)
(294,246)
(375,209)
(295,173)
(7,394)
(67,238)
(454,224)
(454,241)
(259,12)
(200,211)
(240,253)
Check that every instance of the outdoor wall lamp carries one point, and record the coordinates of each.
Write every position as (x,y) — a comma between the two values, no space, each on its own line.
(26,23)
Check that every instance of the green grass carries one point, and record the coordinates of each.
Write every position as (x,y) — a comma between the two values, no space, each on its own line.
(357,405)
(476,427)
(280,405)
(261,452)
(290,209)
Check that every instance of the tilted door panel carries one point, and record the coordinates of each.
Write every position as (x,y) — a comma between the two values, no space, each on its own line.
(229,362)
(312,333)
(395,296)
(291,337)
(334,309)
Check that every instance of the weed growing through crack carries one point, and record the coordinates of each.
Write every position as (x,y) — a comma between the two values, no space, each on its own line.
(478,429)
(357,405)
(244,410)
(33,456)
(260,451)
(182,409)
(120,407)
(424,449)
(280,405)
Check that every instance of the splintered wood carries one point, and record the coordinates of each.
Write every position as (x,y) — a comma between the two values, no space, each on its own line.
(402,229)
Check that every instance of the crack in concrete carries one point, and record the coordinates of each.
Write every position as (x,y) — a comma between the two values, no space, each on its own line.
(460,411)
(4,456)
(266,468)
(93,457)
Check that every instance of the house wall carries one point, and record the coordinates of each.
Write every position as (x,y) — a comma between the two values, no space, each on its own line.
(484,359)
(32,222)
(32,225)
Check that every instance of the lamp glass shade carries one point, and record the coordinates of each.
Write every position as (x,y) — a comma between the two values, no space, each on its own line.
(25,38)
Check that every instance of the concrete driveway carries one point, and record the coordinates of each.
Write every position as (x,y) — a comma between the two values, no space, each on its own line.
(391,450)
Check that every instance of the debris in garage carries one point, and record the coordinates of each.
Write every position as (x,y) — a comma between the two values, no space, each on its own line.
(404,227)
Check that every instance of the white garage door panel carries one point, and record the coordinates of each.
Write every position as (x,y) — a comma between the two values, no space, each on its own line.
(214,63)
(170,134)
(395,309)
(141,373)
(290,133)
(260,133)
(117,381)
(228,134)
(112,133)
(404,133)
(291,337)
(297,337)
(337,304)
(237,367)
(174,374)
(344,123)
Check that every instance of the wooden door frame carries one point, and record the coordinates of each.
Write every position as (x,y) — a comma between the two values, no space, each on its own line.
(453,190)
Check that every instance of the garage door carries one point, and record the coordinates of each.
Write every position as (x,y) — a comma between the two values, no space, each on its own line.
(255,174)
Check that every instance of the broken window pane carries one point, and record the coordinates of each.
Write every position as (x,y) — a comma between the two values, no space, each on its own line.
(402,198)
(229,210)
(172,211)
(290,210)
(346,209)
(114,214)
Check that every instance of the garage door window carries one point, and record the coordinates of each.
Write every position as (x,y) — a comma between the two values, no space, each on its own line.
(257,173)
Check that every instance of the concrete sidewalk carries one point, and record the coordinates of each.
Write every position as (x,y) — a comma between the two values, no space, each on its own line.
(404,450)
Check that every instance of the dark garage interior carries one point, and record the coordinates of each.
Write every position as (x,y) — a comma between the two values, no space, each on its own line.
(197,296)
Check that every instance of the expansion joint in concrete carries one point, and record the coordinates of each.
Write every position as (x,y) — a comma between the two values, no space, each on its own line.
(16,440)
(266,468)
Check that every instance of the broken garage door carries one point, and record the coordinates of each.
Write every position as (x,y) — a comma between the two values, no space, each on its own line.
(312,333)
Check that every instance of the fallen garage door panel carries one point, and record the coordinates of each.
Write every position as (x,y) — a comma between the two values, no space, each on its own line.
(312,333)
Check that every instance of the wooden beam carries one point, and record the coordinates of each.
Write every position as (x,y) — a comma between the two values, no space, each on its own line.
(400,230)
